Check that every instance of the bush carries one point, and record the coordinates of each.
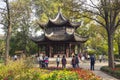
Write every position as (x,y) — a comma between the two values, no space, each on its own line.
(1,59)
(114,72)
(117,56)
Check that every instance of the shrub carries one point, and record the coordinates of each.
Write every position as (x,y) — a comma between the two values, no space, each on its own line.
(62,75)
(114,72)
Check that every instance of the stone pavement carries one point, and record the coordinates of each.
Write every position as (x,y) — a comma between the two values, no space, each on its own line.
(97,71)
(86,65)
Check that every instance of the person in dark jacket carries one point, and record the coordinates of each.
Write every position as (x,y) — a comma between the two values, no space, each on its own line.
(64,62)
(73,62)
(92,62)
(76,61)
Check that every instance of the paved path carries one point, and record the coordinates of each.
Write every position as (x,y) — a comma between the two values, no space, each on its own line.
(97,71)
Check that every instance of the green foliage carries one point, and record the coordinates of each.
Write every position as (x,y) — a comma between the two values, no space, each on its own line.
(116,56)
(91,51)
(101,50)
(45,9)
(114,72)
(97,40)
(1,60)
(117,41)
(2,47)
(18,44)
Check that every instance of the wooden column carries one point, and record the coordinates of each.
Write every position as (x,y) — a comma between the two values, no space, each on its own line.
(69,49)
(38,50)
(46,50)
(67,52)
(73,48)
(78,48)
(50,51)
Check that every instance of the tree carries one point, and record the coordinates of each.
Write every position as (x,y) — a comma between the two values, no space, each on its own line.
(106,13)
(17,44)
(8,34)
(12,16)
(23,20)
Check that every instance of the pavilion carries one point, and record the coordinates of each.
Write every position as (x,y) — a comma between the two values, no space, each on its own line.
(59,37)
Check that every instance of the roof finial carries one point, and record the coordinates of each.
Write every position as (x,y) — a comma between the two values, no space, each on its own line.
(59,10)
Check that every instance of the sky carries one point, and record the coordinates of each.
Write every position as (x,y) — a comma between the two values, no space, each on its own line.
(1,5)
(1,31)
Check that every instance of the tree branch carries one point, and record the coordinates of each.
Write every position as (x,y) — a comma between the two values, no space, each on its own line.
(3,9)
(93,3)
(117,24)
(2,23)
(96,21)
(98,12)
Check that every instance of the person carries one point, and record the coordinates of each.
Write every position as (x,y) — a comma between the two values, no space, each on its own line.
(88,56)
(43,61)
(83,58)
(76,61)
(40,59)
(58,60)
(46,61)
(15,57)
(73,62)
(103,57)
(100,58)
(92,62)
(64,62)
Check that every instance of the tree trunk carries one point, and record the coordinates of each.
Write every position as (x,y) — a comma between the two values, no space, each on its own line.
(110,50)
(7,45)
(8,33)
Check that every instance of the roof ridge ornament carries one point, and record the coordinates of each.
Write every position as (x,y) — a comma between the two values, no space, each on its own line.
(59,18)
(59,9)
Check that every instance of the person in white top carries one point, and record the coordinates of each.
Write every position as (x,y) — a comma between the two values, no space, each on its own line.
(40,59)
(58,61)
(100,58)
(15,57)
